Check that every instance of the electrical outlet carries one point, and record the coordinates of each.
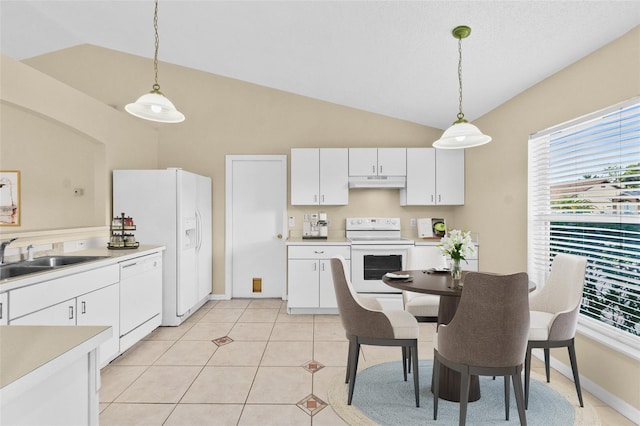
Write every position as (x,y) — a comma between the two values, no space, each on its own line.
(413,222)
(292,221)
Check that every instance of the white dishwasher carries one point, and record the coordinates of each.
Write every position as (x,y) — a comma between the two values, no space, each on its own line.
(140,298)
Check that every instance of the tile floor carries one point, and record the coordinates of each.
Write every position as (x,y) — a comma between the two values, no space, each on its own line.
(244,362)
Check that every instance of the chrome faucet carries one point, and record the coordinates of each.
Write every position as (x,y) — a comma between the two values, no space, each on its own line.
(3,245)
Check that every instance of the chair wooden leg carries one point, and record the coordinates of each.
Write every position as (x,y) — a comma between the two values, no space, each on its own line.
(404,362)
(435,384)
(465,381)
(409,360)
(416,379)
(547,362)
(506,397)
(517,390)
(527,374)
(574,368)
(346,379)
(354,353)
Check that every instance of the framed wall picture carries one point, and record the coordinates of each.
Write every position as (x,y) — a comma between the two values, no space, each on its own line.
(9,198)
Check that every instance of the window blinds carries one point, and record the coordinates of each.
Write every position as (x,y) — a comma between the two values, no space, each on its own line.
(584,199)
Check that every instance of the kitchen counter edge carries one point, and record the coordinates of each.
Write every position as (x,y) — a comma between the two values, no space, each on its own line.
(112,257)
(318,242)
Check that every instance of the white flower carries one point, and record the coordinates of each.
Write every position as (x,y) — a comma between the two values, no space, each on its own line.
(457,245)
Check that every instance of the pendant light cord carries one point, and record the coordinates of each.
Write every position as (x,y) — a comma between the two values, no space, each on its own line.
(156,86)
(460,113)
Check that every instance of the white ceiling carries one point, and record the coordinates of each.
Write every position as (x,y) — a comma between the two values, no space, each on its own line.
(396,58)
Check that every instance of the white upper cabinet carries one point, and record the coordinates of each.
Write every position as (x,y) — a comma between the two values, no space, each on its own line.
(319,176)
(421,178)
(377,161)
(434,177)
(450,177)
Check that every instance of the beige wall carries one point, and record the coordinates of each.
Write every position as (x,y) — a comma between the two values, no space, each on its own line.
(496,179)
(226,116)
(46,127)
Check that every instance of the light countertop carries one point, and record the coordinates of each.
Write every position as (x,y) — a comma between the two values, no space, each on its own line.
(24,349)
(331,241)
(111,257)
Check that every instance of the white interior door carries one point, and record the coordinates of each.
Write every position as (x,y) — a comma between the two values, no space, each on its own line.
(255,220)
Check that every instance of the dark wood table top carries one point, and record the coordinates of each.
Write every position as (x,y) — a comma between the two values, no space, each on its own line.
(431,282)
(427,281)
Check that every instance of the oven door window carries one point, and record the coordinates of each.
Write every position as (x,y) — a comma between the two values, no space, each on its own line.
(376,266)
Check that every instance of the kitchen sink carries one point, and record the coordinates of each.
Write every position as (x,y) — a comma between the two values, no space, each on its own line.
(14,270)
(57,261)
(41,264)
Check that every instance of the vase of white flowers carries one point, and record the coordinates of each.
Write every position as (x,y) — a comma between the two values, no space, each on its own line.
(458,246)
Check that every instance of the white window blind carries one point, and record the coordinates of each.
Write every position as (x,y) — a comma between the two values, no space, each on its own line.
(584,199)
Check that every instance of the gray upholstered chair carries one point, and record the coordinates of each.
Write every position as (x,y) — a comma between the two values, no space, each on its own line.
(554,314)
(423,306)
(365,323)
(486,337)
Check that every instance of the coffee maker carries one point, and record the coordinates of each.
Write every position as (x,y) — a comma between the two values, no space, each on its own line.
(315,226)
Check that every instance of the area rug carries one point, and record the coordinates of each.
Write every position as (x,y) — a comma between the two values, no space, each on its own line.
(382,397)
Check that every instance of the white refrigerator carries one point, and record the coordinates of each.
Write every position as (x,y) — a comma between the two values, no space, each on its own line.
(172,208)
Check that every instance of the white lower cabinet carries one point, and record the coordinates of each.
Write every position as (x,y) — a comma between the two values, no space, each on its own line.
(85,298)
(470,264)
(3,309)
(310,281)
(100,307)
(63,313)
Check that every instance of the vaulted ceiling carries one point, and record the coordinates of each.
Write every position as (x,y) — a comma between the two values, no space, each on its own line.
(396,58)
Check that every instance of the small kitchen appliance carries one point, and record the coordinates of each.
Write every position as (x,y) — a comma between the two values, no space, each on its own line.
(431,227)
(315,226)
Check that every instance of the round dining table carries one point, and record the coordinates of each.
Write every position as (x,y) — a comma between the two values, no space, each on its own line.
(431,281)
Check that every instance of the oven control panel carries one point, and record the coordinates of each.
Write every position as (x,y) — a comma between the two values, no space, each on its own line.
(373,223)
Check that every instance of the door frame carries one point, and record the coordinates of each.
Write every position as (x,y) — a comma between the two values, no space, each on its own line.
(228,223)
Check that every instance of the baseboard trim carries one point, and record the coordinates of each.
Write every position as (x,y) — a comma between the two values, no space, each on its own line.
(596,390)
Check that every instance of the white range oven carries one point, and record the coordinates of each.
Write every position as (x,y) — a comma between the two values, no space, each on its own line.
(376,248)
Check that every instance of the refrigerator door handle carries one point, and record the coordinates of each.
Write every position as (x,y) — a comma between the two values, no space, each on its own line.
(198,230)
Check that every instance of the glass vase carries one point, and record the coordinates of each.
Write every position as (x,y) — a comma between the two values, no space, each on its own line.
(456,272)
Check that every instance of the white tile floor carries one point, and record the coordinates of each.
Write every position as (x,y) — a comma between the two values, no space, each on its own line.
(261,374)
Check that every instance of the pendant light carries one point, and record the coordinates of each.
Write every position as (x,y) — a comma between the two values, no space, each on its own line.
(461,134)
(154,105)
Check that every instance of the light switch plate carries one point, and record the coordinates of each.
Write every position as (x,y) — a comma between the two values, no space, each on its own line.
(292,221)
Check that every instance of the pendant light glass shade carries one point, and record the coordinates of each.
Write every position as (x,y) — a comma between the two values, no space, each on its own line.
(461,134)
(155,106)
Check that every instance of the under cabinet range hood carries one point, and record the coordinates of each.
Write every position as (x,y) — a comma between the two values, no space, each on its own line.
(377,182)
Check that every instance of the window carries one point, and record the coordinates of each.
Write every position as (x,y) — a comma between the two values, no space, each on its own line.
(584,199)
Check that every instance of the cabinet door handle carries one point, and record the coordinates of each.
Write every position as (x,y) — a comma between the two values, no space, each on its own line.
(432,198)
(380,168)
(373,169)
(318,251)
(439,198)
(323,267)
(315,266)
(84,307)
(323,198)
(0,310)
(315,198)
(70,312)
